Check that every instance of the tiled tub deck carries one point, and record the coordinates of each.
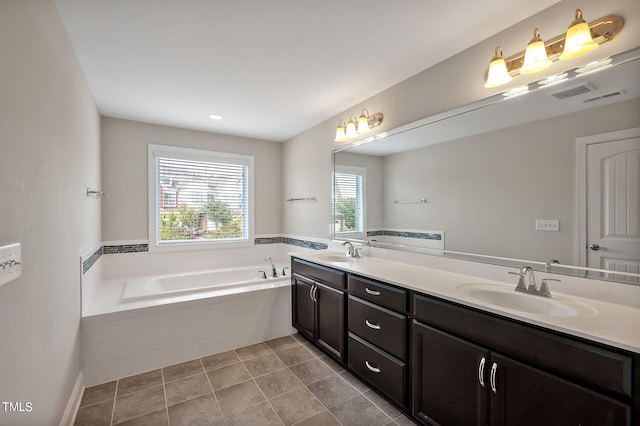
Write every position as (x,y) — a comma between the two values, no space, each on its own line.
(285,381)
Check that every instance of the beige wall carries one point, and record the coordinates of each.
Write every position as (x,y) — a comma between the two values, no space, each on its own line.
(50,154)
(452,83)
(124,174)
(487,191)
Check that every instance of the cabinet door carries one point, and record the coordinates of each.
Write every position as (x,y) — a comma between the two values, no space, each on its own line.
(528,396)
(303,307)
(330,322)
(449,379)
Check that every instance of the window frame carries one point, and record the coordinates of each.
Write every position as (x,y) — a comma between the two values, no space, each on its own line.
(192,154)
(352,170)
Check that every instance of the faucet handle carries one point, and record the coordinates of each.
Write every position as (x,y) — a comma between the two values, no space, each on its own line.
(544,288)
(284,271)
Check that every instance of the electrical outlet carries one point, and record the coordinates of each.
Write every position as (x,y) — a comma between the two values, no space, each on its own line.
(547,225)
(10,263)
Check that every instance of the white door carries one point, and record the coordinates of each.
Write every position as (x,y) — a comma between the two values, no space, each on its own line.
(613,206)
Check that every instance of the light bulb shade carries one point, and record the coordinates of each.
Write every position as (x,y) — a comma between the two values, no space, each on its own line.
(340,134)
(498,74)
(535,57)
(351,128)
(578,40)
(363,122)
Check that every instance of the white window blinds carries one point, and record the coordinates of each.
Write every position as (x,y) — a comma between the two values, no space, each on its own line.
(200,200)
(348,200)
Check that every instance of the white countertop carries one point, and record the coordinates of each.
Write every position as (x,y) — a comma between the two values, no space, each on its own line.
(605,322)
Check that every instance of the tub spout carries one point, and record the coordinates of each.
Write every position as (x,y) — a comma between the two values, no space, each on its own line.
(274,272)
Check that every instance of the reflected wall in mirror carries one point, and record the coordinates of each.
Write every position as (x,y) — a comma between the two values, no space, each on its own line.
(509,182)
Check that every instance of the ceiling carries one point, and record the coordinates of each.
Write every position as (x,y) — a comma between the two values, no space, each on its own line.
(273,68)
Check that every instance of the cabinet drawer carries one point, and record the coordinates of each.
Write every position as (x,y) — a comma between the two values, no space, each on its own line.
(328,276)
(381,294)
(382,327)
(382,371)
(571,358)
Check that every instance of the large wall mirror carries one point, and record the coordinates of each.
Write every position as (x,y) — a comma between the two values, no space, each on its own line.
(513,181)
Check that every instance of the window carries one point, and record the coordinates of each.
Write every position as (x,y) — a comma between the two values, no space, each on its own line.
(348,200)
(198,197)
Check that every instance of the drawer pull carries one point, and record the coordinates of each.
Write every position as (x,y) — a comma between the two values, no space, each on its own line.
(372,292)
(371,367)
(371,325)
(494,367)
(481,372)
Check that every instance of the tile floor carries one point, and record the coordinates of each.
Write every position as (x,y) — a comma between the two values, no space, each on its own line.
(285,381)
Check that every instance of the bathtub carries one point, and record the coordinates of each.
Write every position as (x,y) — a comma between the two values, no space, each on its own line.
(218,282)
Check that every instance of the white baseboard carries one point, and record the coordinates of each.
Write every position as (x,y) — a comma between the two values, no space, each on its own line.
(70,411)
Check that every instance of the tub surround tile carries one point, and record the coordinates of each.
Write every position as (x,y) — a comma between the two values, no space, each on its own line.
(203,410)
(220,360)
(228,376)
(184,369)
(296,405)
(138,403)
(99,393)
(278,383)
(95,415)
(187,388)
(294,355)
(156,418)
(239,397)
(138,382)
(253,351)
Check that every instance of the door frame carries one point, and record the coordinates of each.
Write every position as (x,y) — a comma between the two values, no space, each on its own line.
(582,144)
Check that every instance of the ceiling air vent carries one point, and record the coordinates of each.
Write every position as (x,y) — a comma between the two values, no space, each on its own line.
(575,91)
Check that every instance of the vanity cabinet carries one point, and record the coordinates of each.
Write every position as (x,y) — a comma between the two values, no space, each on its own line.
(378,330)
(465,372)
(318,305)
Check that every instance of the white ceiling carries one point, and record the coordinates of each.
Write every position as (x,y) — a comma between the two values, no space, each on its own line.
(272,68)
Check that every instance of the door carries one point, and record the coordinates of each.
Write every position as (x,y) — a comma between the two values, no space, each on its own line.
(330,324)
(613,206)
(303,307)
(450,379)
(526,396)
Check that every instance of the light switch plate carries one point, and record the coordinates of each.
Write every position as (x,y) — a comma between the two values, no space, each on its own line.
(10,263)
(547,225)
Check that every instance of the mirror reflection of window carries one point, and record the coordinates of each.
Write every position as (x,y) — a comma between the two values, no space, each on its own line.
(348,200)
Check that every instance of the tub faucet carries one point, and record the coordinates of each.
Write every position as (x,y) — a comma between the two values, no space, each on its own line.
(274,273)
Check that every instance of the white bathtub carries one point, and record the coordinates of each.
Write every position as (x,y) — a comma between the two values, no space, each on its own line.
(218,281)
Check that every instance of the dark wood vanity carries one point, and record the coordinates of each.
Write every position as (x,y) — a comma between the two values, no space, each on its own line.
(444,363)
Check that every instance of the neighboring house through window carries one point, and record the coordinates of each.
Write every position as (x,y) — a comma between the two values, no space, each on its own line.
(199,197)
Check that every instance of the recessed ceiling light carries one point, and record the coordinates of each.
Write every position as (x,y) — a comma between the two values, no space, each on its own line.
(215,116)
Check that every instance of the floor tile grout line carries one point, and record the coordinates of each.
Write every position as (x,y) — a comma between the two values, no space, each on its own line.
(213,392)
(166,401)
(113,408)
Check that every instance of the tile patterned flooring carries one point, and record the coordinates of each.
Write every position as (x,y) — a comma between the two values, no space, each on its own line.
(285,381)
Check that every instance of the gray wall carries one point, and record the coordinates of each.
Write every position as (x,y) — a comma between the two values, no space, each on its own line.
(454,82)
(124,174)
(487,191)
(50,154)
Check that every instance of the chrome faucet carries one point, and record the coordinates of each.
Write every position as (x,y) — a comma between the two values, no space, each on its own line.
(530,286)
(351,250)
(274,272)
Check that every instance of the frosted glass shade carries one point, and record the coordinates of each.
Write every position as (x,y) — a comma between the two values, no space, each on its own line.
(578,40)
(351,129)
(363,123)
(498,74)
(341,136)
(535,57)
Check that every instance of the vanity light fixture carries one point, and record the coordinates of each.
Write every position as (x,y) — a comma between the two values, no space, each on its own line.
(365,123)
(579,40)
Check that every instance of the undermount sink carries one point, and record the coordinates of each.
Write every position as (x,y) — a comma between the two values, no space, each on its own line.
(336,257)
(508,298)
